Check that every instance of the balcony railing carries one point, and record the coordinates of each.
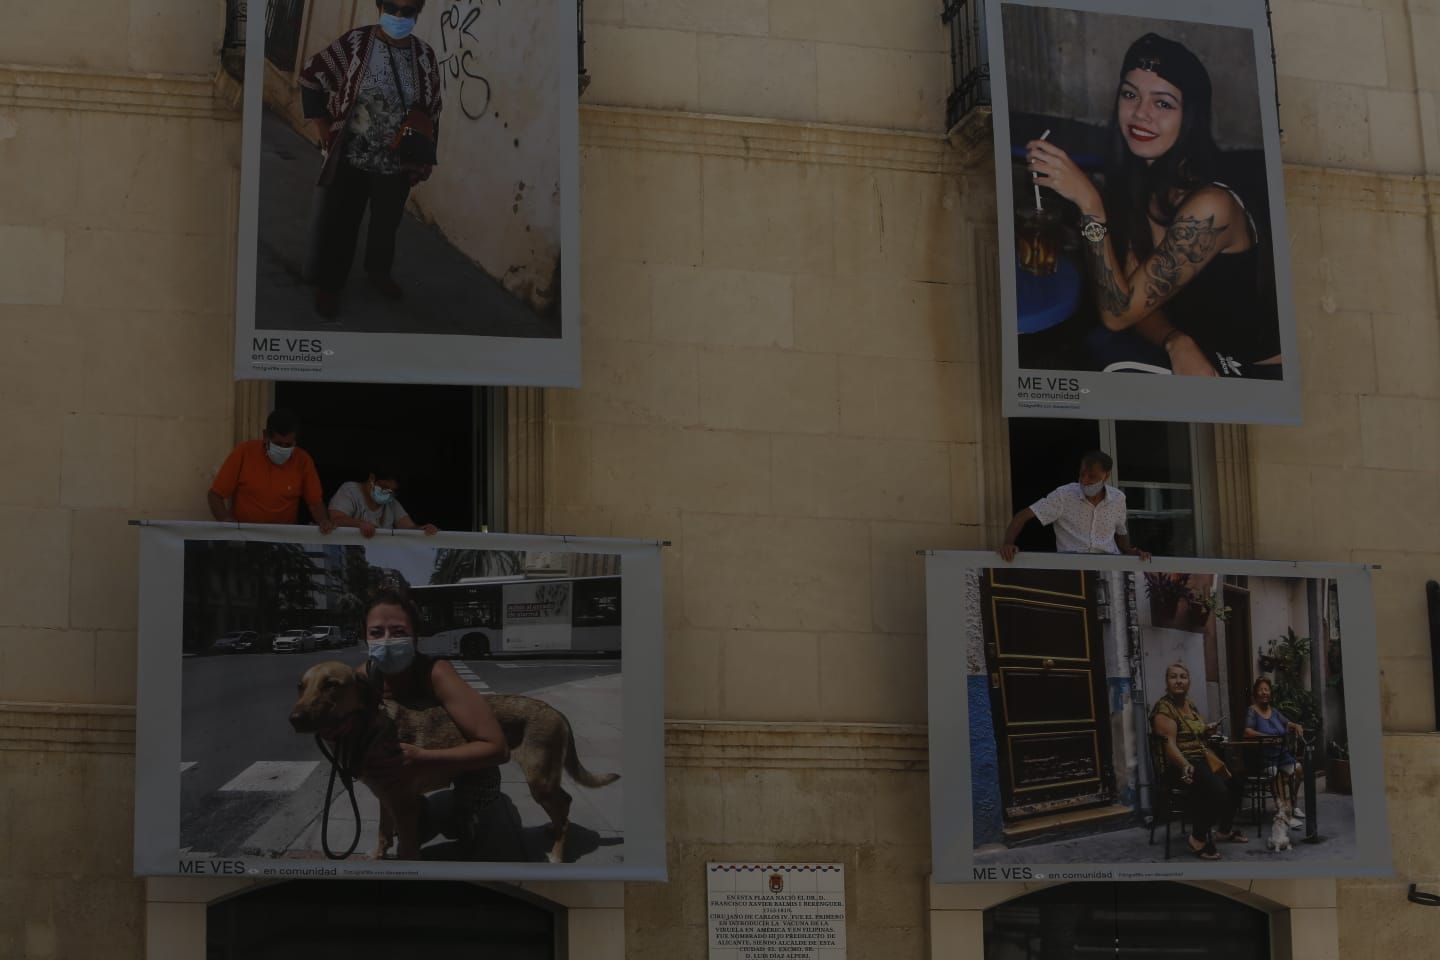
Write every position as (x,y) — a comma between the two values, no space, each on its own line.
(969,59)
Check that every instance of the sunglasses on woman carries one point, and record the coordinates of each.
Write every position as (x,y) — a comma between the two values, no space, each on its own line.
(408,11)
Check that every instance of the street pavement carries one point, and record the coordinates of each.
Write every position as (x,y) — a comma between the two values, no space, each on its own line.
(445,293)
(251,786)
(1336,822)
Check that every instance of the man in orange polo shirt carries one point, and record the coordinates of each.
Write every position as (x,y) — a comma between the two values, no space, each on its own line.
(263,481)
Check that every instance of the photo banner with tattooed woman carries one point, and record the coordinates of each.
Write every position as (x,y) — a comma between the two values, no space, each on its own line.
(1144,259)
(409,196)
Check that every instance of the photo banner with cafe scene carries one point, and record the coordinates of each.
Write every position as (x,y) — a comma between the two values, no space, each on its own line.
(1144,259)
(461,705)
(409,194)
(1105,718)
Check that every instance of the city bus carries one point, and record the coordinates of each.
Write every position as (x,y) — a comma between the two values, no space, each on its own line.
(520,616)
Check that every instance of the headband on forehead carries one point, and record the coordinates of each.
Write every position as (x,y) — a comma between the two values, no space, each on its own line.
(1169,60)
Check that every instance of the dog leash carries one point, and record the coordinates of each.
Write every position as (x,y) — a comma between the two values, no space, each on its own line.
(336,766)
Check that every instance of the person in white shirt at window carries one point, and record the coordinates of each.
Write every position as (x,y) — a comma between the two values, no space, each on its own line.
(1089,516)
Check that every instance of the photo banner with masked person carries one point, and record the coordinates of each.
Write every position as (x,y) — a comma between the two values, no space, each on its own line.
(409,194)
(461,705)
(1106,718)
(1144,259)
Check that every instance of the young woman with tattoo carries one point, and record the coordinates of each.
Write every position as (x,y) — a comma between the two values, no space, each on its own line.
(1174,255)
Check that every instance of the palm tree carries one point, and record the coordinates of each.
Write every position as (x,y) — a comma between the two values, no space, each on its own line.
(452,565)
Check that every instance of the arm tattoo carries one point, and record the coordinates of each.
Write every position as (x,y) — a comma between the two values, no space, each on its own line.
(1188,242)
(1113,298)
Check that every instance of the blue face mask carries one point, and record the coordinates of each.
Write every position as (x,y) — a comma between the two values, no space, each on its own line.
(394,655)
(380,495)
(396,28)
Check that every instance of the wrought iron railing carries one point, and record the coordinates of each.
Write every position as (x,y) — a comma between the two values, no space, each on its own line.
(969,59)
(235,11)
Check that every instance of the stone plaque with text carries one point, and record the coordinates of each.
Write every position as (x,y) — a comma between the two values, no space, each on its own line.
(776,911)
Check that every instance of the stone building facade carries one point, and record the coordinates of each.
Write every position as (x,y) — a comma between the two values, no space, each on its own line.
(789,372)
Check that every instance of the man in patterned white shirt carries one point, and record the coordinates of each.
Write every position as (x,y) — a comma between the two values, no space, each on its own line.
(1089,516)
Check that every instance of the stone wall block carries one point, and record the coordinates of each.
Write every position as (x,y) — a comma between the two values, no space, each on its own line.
(32,272)
(631,382)
(727,307)
(1406,696)
(733,16)
(757,76)
(115,653)
(895,26)
(777,806)
(640,205)
(156,271)
(1401,433)
(615,301)
(641,68)
(98,461)
(35,568)
(31,480)
(41,367)
(176,461)
(54,665)
(769,675)
(897,569)
(889,89)
(776,573)
(910,399)
(856,478)
(1329,434)
(1395,142)
(769,216)
(103,552)
(165,364)
(693,673)
(1310,38)
(713,471)
(901,223)
(874,315)
(872,678)
(1407,354)
(777,391)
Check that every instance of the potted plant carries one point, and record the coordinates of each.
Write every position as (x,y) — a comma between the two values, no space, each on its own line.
(1175,602)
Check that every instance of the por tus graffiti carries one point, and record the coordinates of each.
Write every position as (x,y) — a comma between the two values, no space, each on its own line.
(460,67)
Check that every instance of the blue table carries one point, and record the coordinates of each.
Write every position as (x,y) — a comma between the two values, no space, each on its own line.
(1043,302)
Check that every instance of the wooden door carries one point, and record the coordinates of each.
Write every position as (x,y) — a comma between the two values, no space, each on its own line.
(1047,690)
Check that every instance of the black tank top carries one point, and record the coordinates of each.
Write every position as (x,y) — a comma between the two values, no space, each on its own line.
(1229,310)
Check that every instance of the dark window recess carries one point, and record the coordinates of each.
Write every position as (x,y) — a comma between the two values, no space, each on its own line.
(378,920)
(597,603)
(1154,469)
(1045,453)
(432,434)
(1152,920)
(283,19)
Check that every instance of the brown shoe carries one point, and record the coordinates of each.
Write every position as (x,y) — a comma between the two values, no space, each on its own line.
(327,302)
(387,286)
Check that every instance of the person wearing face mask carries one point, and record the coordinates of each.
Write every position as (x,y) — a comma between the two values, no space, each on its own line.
(374,98)
(1088,515)
(474,811)
(371,504)
(264,480)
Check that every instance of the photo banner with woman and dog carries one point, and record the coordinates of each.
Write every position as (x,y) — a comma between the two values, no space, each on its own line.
(462,705)
(409,194)
(1108,718)
(1144,259)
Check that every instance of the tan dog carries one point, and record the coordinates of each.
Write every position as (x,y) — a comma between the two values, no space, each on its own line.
(340,705)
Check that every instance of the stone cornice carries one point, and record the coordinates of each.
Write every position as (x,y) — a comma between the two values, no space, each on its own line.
(70,727)
(189,97)
(755,138)
(847,746)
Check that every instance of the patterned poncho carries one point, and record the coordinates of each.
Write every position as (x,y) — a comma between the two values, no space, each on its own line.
(330,85)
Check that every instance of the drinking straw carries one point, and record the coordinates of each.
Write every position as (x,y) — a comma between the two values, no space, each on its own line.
(1036,183)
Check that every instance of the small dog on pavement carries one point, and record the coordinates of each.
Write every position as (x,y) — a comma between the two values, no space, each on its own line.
(1279,830)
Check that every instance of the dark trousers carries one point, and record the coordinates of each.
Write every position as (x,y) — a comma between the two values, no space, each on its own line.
(1212,801)
(342,207)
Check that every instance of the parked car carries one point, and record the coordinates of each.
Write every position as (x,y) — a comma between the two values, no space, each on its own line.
(349,637)
(327,637)
(293,641)
(236,641)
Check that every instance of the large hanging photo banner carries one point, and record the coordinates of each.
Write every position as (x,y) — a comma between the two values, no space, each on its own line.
(1144,260)
(468,706)
(409,196)
(1099,718)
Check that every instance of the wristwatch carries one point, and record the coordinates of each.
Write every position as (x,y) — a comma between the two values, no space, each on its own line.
(1093,230)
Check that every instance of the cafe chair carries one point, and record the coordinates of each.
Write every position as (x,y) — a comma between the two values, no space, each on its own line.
(1167,801)
(1259,786)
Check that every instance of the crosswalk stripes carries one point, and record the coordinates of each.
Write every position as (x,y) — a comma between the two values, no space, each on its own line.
(271,776)
(472,678)
(187,765)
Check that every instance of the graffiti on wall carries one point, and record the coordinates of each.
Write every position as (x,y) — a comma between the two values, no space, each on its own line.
(460,66)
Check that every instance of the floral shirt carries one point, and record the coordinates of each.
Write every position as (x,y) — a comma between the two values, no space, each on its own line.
(380,108)
(1189,727)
